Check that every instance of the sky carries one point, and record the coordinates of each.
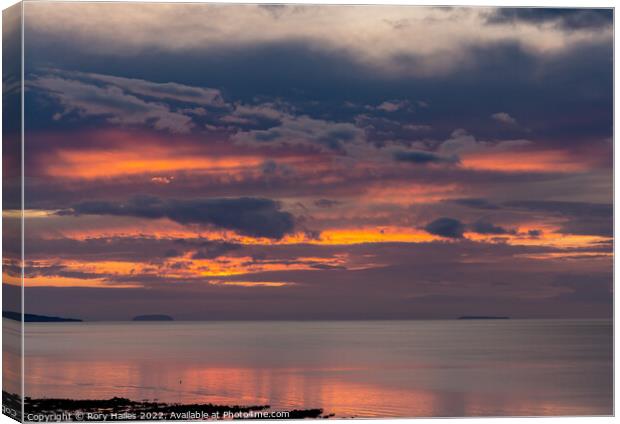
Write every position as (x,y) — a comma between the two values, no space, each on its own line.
(316,162)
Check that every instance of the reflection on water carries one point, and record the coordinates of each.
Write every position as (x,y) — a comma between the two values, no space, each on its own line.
(364,369)
(11,356)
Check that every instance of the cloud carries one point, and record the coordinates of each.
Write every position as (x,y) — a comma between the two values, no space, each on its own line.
(504,118)
(381,130)
(485,227)
(128,101)
(393,105)
(462,143)
(420,45)
(288,106)
(446,227)
(581,218)
(315,84)
(256,217)
(214,250)
(255,114)
(33,270)
(477,203)
(417,127)
(111,103)
(202,96)
(141,249)
(582,209)
(271,168)
(566,19)
(326,203)
(304,130)
(423,157)
(500,272)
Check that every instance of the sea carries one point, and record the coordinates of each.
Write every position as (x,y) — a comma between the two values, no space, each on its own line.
(434,368)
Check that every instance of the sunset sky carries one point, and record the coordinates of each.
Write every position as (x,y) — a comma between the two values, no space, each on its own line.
(316,162)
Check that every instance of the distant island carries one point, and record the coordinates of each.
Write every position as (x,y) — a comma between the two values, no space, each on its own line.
(17,316)
(481,317)
(153,318)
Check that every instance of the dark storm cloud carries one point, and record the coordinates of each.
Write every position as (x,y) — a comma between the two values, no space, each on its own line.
(560,207)
(123,248)
(567,19)
(586,226)
(11,124)
(485,227)
(453,228)
(110,103)
(11,74)
(303,130)
(422,158)
(255,217)
(446,227)
(317,81)
(380,130)
(582,209)
(580,218)
(116,100)
(57,270)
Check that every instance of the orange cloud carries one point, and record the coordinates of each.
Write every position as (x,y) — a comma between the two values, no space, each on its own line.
(139,160)
(113,273)
(374,235)
(251,283)
(524,161)
(11,279)
(57,281)
(549,237)
(128,153)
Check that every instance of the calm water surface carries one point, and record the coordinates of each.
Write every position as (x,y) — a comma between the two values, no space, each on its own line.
(351,368)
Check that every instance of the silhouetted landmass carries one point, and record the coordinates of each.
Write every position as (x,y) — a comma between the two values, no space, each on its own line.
(12,405)
(482,317)
(16,316)
(153,318)
(297,414)
(122,409)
